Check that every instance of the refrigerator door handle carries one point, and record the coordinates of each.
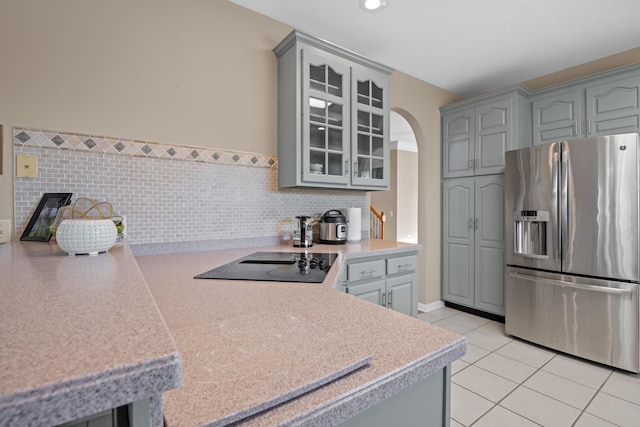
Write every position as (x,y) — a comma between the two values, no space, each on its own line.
(564,284)
(565,206)
(555,227)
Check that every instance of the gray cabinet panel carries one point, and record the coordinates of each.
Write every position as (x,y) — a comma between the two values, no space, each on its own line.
(473,242)
(401,295)
(557,117)
(493,122)
(457,274)
(372,292)
(489,244)
(458,144)
(600,106)
(366,270)
(425,403)
(370,128)
(326,119)
(458,237)
(387,280)
(614,107)
(476,135)
(459,200)
(490,277)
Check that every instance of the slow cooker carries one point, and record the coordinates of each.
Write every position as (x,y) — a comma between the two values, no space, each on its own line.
(333,228)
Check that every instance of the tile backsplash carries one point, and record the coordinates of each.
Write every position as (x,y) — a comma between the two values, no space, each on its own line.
(170,193)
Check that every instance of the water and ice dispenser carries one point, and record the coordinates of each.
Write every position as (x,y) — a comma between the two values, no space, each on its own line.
(531,233)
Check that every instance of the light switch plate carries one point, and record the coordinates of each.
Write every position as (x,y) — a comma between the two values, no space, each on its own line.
(26,166)
(5,230)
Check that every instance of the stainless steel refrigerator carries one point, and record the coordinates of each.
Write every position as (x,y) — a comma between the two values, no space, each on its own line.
(572,247)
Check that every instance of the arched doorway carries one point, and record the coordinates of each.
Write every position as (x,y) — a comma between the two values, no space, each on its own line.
(400,203)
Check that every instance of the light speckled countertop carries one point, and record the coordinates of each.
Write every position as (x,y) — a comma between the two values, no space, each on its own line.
(244,343)
(78,335)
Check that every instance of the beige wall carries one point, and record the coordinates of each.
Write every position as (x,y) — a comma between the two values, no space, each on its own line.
(195,72)
(418,102)
(407,207)
(400,203)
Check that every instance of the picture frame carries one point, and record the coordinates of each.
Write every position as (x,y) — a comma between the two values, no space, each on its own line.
(37,229)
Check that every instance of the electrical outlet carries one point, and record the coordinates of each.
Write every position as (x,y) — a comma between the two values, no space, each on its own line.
(26,166)
(5,230)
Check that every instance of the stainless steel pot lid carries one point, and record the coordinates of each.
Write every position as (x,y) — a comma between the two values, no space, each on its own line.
(333,216)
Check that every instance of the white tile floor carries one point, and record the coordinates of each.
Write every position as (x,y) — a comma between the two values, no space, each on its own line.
(503,381)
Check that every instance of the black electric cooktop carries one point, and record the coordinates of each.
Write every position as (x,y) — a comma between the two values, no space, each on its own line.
(275,267)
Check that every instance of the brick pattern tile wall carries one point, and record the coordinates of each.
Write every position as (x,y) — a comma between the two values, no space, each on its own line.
(170,193)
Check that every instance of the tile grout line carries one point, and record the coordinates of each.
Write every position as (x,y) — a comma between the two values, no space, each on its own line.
(592,399)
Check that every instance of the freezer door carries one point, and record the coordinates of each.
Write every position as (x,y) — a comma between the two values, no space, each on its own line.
(589,318)
(531,207)
(600,207)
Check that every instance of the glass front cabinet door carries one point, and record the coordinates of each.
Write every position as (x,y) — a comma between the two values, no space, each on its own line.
(326,131)
(370,134)
(333,117)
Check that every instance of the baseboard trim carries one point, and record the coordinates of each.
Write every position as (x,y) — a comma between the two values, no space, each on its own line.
(476,312)
(425,308)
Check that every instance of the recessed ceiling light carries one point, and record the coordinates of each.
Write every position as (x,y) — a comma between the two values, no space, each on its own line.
(372,5)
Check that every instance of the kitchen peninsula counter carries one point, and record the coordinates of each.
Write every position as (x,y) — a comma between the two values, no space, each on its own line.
(79,335)
(247,346)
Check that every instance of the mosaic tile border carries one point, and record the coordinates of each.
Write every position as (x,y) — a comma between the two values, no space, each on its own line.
(59,140)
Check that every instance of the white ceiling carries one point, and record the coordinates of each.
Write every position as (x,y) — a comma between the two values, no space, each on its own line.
(468,46)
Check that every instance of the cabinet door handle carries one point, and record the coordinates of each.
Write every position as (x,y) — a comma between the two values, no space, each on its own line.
(346,167)
(477,221)
(390,299)
(470,223)
(575,129)
(355,168)
(367,272)
(403,266)
(588,127)
(470,164)
(475,164)
(384,299)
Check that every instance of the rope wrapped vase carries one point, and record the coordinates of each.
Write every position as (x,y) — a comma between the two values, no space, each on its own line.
(87,227)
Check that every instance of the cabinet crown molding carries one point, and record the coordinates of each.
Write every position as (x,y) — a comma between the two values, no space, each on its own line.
(297,36)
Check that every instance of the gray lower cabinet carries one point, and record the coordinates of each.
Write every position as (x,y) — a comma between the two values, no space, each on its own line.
(473,242)
(426,403)
(389,281)
(136,414)
(599,106)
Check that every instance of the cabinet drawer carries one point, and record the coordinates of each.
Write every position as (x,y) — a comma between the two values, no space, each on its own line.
(365,270)
(405,264)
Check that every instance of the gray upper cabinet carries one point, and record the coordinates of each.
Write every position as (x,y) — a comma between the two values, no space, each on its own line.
(605,104)
(557,117)
(475,135)
(458,143)
(370,132)
(613,107)
(333,117)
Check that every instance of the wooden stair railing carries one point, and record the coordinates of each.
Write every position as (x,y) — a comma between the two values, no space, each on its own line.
(376,223)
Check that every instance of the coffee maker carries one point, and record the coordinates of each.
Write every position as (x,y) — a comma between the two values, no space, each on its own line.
(303,232)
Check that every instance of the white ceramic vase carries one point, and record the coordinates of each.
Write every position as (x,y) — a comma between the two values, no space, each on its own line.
(86,236)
